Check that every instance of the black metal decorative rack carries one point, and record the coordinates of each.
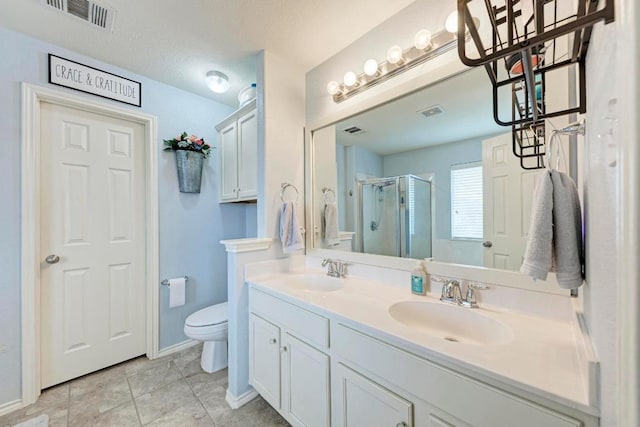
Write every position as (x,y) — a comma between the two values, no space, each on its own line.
(523,53)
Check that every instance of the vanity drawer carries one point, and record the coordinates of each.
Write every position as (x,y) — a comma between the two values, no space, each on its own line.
(302,323)
(472,401)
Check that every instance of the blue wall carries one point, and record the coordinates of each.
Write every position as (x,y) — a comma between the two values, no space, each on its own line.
(191,226)
(437,160)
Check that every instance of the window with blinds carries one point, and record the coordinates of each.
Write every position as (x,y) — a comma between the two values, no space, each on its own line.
(466,201)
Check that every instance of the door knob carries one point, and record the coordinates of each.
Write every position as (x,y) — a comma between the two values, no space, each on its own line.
(52,259)
(487,244)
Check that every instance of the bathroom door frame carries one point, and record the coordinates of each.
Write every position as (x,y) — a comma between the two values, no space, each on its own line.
(32,98)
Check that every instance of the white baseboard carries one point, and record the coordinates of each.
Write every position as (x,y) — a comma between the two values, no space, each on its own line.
(11,406)
(237,401)
(177,347)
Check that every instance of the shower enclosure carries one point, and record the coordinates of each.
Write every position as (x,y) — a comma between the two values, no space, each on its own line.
(395,216)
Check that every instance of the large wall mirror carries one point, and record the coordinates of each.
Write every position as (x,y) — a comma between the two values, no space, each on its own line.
(428,175)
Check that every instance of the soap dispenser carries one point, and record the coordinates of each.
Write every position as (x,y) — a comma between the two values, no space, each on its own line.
(418,279)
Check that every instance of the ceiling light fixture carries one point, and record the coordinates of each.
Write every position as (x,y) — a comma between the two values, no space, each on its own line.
(217,81)
(425,46)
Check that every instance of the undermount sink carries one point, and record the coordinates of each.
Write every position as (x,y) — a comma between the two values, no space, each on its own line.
(451,323)
(315,282)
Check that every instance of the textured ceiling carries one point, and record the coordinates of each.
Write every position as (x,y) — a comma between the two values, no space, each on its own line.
(397,127)
(177,42)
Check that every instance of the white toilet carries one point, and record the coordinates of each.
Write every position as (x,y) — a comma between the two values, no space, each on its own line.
(210,325)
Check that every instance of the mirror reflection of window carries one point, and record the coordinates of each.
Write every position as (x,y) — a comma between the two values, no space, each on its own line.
(466,201)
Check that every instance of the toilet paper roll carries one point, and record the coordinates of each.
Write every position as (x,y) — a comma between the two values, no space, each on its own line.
(177,292)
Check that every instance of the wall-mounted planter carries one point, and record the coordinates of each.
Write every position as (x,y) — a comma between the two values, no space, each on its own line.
(189,164)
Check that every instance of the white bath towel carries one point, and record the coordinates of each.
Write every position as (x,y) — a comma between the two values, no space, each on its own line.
(330,224)
(555,231)
(290,234)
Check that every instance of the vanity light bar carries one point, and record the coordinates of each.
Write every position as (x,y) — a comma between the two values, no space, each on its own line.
(441,42)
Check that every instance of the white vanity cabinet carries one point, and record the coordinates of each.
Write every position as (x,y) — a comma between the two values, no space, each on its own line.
(238,152)
(285,366)
(439,396)
(320,369)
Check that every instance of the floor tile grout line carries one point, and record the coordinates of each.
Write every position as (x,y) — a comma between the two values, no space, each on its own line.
(135,405)
(196,396)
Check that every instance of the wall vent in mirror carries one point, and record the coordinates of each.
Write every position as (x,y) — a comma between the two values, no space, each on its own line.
(431,111)
(353,130)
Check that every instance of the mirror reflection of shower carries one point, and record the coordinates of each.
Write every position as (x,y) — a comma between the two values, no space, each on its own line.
(378,204)
(395,216)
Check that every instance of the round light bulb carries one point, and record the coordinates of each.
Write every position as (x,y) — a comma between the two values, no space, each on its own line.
(422,40)
(370,67)
(349,79)
(333,87)
(217,81)
(394,54)
(451,24)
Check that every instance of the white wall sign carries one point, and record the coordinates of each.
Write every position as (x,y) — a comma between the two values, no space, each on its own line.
(63,72)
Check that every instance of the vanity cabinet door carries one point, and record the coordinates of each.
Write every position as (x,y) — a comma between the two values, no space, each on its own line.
(264,359)
(363,403)
(306,386)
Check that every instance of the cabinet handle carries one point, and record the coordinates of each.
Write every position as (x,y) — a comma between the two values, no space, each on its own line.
(273,341)
(284,349)
(234,190)
(402,424)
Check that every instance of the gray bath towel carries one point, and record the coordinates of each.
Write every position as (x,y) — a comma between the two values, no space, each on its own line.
(555,232)
(568,257)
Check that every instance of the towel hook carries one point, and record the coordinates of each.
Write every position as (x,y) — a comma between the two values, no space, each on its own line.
(325,193)
(283,187)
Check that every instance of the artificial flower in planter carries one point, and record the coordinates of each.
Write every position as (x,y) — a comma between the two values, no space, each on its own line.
(190,152)
(188,143)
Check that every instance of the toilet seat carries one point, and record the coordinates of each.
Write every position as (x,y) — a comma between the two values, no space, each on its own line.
(209,316)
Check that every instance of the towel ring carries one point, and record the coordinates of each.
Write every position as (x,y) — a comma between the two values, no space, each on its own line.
(325,193)
(283,187)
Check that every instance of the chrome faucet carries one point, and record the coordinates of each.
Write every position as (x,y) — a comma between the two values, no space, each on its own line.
(335,268)
(452,292)
(470,298)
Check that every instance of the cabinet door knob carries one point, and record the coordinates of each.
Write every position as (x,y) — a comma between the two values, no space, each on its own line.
(234,190)
(284,349)
(273,341)
(402,424)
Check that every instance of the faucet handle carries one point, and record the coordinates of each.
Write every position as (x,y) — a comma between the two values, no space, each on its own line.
(470,298)
(342,268)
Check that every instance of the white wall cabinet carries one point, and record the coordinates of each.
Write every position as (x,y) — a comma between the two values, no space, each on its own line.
(288,372)
(238,152)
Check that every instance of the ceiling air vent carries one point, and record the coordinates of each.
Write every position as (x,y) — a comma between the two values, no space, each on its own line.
(431,111)
(89,11)
(353,130)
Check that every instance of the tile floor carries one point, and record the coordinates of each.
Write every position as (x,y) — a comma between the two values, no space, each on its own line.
(172,391)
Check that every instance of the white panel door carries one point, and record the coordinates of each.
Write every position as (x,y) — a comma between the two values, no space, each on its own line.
(229,163)
(248,155)
(363,403)
(92,219)
(264,359)
(508,193)
(306,384)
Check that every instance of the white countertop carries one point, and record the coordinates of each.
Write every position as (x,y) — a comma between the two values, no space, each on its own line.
(542,358)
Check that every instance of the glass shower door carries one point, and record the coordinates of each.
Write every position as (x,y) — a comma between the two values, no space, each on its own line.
(379,216)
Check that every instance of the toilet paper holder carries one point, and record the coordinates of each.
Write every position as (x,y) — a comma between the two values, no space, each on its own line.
(165,282)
